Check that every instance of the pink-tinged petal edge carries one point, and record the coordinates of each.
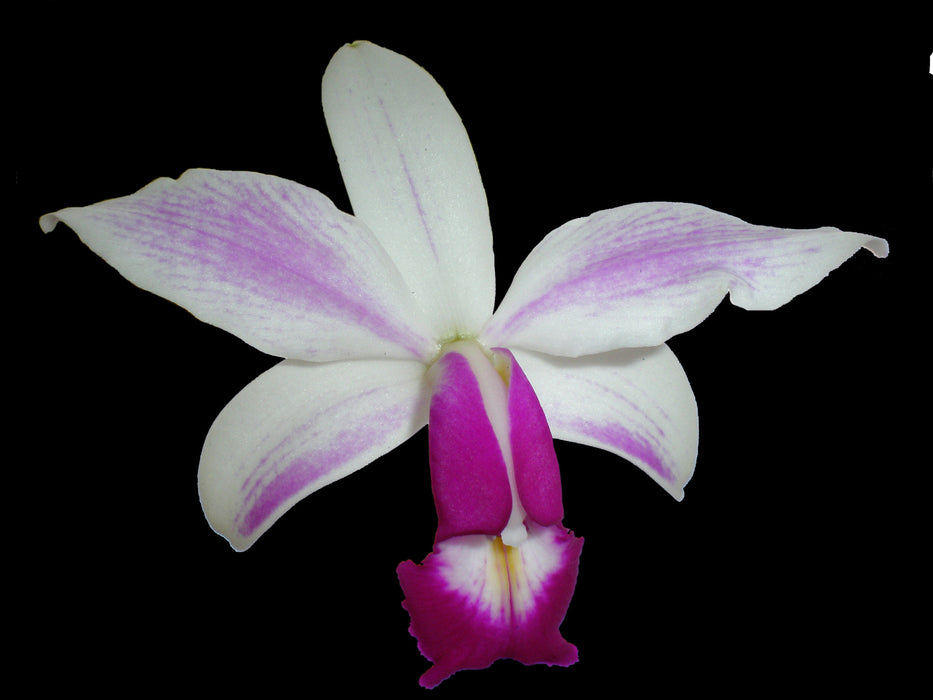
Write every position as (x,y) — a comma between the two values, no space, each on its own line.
(474,601)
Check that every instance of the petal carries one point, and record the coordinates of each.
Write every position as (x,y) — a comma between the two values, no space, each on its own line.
(537,473)
(475,600)
(412,177)
(636,275)
(469,473)
(269,260)
(298,427)
(636,403)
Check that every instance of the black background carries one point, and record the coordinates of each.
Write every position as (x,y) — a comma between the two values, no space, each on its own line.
(795,560)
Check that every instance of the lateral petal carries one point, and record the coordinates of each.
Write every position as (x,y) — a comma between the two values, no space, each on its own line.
(636,275)
(475,600)
(636,403)
(269,260)
(412,177)
(300,426)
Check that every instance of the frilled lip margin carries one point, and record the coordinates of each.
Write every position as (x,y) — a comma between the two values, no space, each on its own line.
(475,600)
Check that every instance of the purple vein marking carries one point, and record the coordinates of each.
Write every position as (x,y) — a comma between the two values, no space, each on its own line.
(416,197)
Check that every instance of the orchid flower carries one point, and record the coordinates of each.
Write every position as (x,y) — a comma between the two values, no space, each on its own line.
(385,322)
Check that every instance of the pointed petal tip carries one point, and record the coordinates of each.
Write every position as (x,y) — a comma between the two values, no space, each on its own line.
(237,544)
(359,44)
(878,246)
(47,222)
(362,44)
(221,522)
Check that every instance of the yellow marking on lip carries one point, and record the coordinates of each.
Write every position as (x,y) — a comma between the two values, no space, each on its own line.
(508,576)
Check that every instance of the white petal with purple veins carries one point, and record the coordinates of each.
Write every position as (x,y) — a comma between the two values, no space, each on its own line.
(636,275)
(269,260)
(636,403)
(412,177)
(300,426)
